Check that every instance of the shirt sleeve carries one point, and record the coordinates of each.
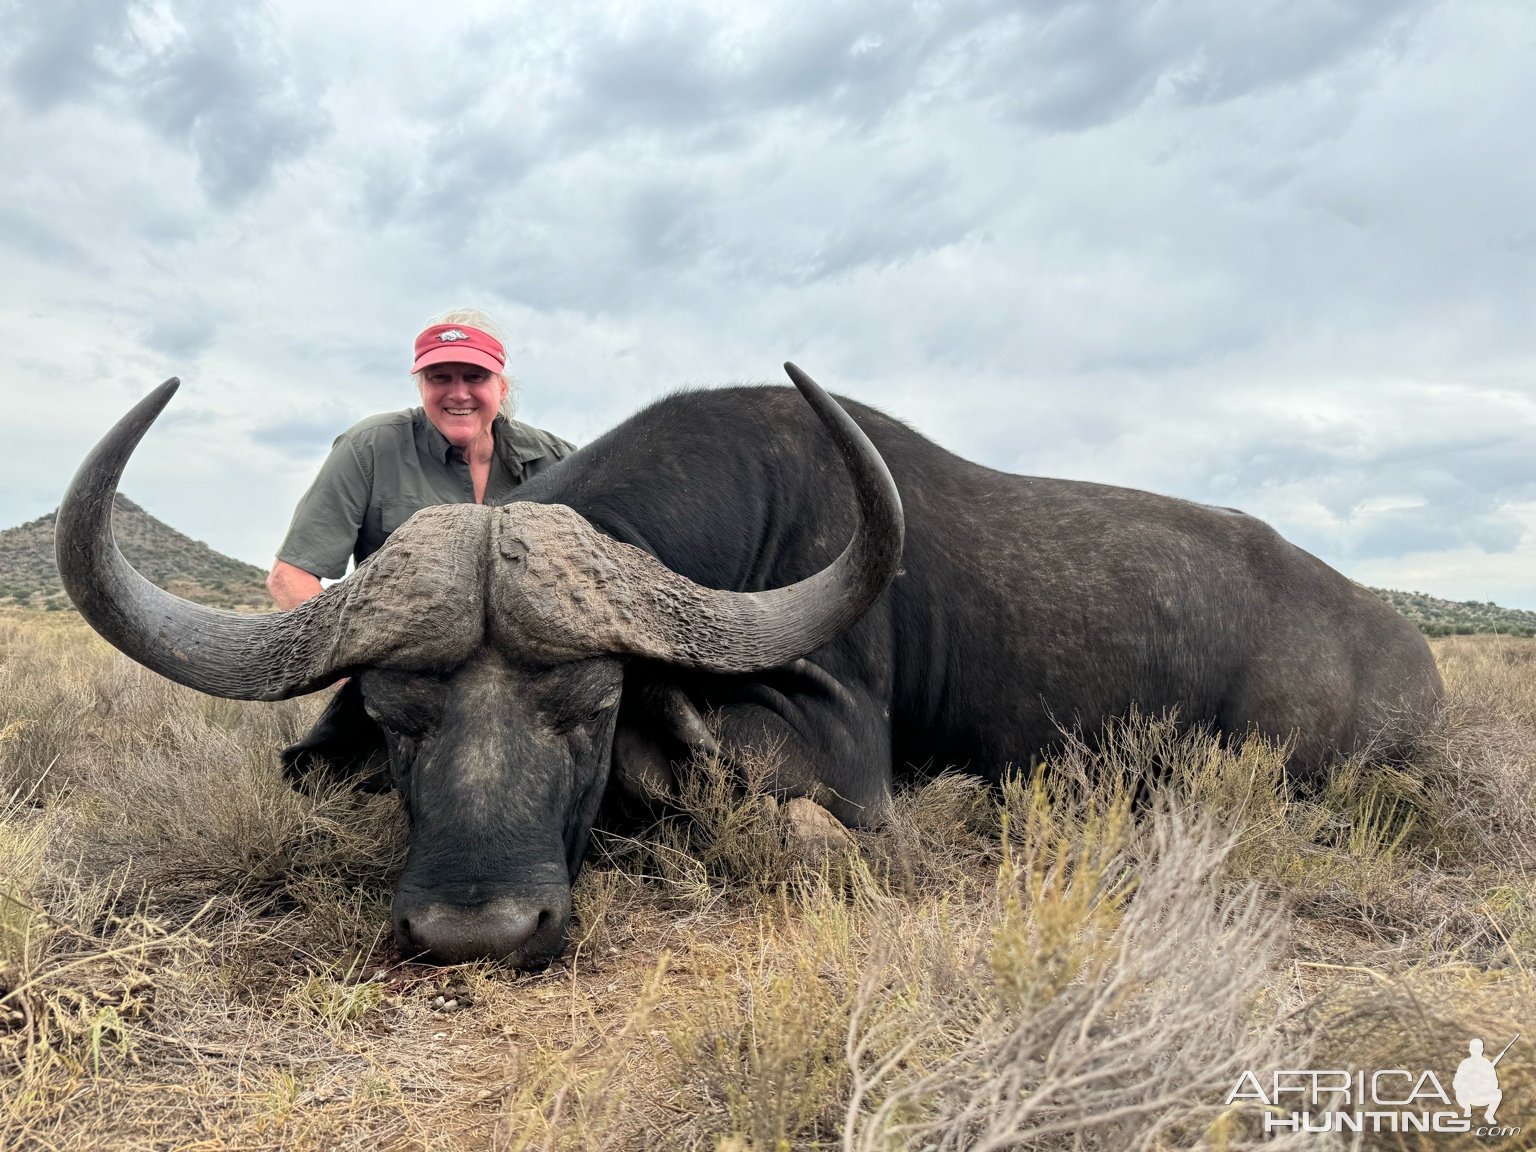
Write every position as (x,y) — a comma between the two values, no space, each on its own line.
(326,524)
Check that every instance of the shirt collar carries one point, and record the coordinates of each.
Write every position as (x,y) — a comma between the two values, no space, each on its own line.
(428,439)
(515,443)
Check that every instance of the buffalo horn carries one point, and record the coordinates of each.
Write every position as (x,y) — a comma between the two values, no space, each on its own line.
(681,622)
(248,656)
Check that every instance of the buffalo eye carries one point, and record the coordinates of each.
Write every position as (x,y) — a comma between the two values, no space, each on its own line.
(584,718)
(609,702)
(403,705)
(585,709)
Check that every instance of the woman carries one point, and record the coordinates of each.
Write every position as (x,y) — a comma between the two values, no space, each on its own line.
(461,445)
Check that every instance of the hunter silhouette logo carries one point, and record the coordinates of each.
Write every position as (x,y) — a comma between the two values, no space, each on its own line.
(1477,1082)
(1380,1100)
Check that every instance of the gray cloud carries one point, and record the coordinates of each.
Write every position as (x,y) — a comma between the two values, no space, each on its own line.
(181,330)
(223,88)
(210,79)
(683,73)
(61,49)
(306,437)
(1353,493)
(653,119)
(1280,42)
(702,86)
(42,239)
(1399,531)
(1274,255)
(904,214)
(1078,64)
(666,224)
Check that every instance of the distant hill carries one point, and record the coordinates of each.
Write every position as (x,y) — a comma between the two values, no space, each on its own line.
(177,563)
(1436,617)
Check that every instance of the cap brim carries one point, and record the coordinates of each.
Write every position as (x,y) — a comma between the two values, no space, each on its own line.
(458,354)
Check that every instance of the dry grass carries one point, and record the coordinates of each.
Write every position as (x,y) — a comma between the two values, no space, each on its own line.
(192,955)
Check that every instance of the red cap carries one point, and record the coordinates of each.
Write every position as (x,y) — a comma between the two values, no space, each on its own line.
(459,344)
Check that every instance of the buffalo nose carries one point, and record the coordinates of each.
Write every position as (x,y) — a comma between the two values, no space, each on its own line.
(525,930)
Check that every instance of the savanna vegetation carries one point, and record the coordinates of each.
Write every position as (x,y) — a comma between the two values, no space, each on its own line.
(1436,616)
(193,955)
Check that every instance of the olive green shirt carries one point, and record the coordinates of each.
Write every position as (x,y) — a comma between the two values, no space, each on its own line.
(384,469)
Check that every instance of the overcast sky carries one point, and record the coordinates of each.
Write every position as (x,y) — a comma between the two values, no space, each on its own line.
(1275,255)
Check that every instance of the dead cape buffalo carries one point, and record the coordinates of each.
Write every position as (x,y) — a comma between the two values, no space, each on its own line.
(521,660)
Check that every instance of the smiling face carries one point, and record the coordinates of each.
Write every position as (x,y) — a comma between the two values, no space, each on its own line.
(461,400)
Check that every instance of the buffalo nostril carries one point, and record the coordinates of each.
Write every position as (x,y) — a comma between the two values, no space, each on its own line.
(405,936)
(526,931)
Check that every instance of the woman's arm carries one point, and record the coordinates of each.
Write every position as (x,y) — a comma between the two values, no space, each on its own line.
(324,529)
(291,586)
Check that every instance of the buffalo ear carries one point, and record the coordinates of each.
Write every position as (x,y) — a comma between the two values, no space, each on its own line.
(345,742)
(658,727)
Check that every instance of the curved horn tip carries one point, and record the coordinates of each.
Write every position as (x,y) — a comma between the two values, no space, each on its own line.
(153,403)
(795,372)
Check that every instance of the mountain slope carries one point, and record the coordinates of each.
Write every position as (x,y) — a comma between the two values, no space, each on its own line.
(177,563)
(1437,617)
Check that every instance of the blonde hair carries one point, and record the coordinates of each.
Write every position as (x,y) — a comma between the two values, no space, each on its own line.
(479,318)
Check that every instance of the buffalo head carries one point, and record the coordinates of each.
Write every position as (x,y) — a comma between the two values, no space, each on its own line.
(490,645)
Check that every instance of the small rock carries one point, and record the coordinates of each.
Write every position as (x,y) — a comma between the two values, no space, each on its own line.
(817,834)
